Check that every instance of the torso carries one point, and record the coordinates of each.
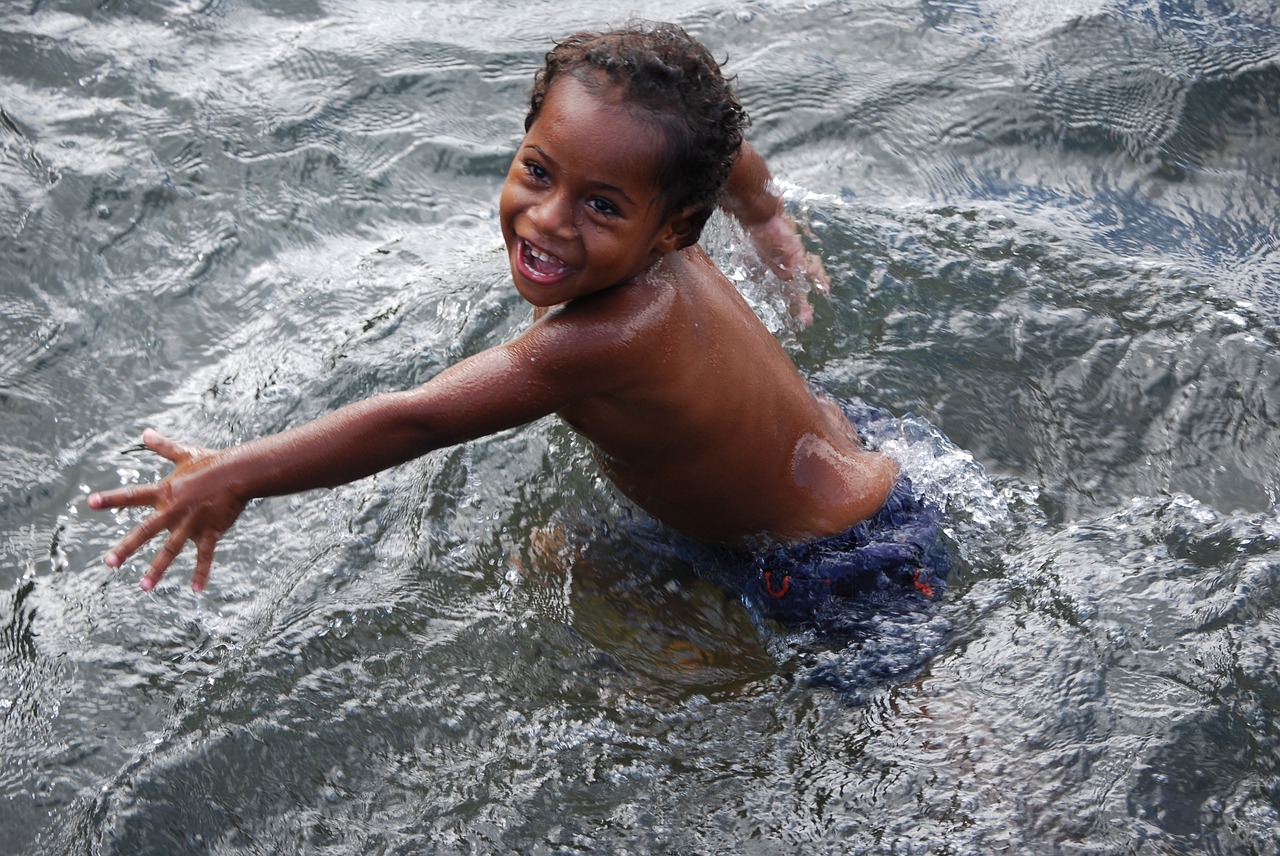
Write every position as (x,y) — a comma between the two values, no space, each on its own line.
(714,431)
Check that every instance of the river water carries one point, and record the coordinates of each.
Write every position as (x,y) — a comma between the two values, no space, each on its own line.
(1052,231)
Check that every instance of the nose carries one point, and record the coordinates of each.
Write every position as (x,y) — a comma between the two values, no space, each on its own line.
(553,216)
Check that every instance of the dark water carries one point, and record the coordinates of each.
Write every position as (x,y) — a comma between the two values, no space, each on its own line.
(1053,235)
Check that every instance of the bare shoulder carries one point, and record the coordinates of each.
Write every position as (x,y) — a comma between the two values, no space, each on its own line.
(597,342)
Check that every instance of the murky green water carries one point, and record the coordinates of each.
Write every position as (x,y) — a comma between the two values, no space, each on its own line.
(1053,235)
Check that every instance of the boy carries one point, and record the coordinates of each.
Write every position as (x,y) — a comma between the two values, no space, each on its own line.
(639,342)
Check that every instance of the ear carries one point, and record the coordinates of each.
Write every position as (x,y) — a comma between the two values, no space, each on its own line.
(679,231)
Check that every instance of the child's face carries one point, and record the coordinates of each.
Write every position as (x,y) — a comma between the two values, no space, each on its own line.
(580,209)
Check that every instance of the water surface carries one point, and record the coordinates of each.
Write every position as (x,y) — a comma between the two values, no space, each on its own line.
(1053,238)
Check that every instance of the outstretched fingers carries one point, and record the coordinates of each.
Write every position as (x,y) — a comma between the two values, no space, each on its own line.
(139,535)
(132,496)
(124,497)
(184,513)
(817,274)
(165,447)
(204,561)
(172,547)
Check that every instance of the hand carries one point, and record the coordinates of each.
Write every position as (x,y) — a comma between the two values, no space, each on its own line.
(191,504)
(778,243)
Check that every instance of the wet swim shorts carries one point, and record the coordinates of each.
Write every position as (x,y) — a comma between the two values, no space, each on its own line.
(900,551)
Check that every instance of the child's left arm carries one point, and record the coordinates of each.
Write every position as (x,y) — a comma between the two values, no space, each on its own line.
(748,197)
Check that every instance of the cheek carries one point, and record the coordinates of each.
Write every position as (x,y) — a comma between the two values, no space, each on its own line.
(507,203)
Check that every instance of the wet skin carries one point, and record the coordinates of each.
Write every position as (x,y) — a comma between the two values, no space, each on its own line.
(691,405)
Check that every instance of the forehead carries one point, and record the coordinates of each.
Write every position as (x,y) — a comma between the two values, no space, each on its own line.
(590,129)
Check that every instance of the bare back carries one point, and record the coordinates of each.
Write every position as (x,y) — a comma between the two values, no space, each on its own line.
(711,427)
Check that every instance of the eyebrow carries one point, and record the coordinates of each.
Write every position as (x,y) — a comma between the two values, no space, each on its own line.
(603,185)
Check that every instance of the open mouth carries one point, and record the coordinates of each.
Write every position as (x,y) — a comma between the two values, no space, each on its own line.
(540,266)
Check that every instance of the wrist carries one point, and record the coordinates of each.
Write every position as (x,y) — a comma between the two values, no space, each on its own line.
(756,209)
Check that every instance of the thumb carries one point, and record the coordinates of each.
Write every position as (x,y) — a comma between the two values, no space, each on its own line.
(164,446)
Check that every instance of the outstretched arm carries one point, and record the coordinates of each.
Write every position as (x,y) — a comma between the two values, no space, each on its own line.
(748,197)
(206,491)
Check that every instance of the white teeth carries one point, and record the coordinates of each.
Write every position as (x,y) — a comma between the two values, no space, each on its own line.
(543,257)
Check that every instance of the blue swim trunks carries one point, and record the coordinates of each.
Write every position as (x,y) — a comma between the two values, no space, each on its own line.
(899,552)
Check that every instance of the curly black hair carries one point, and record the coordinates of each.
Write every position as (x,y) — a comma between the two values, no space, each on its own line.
(677,85)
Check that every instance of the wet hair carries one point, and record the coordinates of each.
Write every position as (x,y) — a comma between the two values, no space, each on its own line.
(673,82)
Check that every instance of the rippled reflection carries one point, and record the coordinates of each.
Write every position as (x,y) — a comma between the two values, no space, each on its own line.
(1052,233)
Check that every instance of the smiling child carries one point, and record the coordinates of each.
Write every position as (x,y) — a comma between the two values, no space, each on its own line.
(639,342)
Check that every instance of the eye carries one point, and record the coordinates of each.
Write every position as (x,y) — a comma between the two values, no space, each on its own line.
(604,206)
(535,170)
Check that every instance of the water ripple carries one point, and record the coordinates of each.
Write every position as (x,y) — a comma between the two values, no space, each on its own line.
(1051,233)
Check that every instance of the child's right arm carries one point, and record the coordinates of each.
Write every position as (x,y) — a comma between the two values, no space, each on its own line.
(497,389)
(748,197)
